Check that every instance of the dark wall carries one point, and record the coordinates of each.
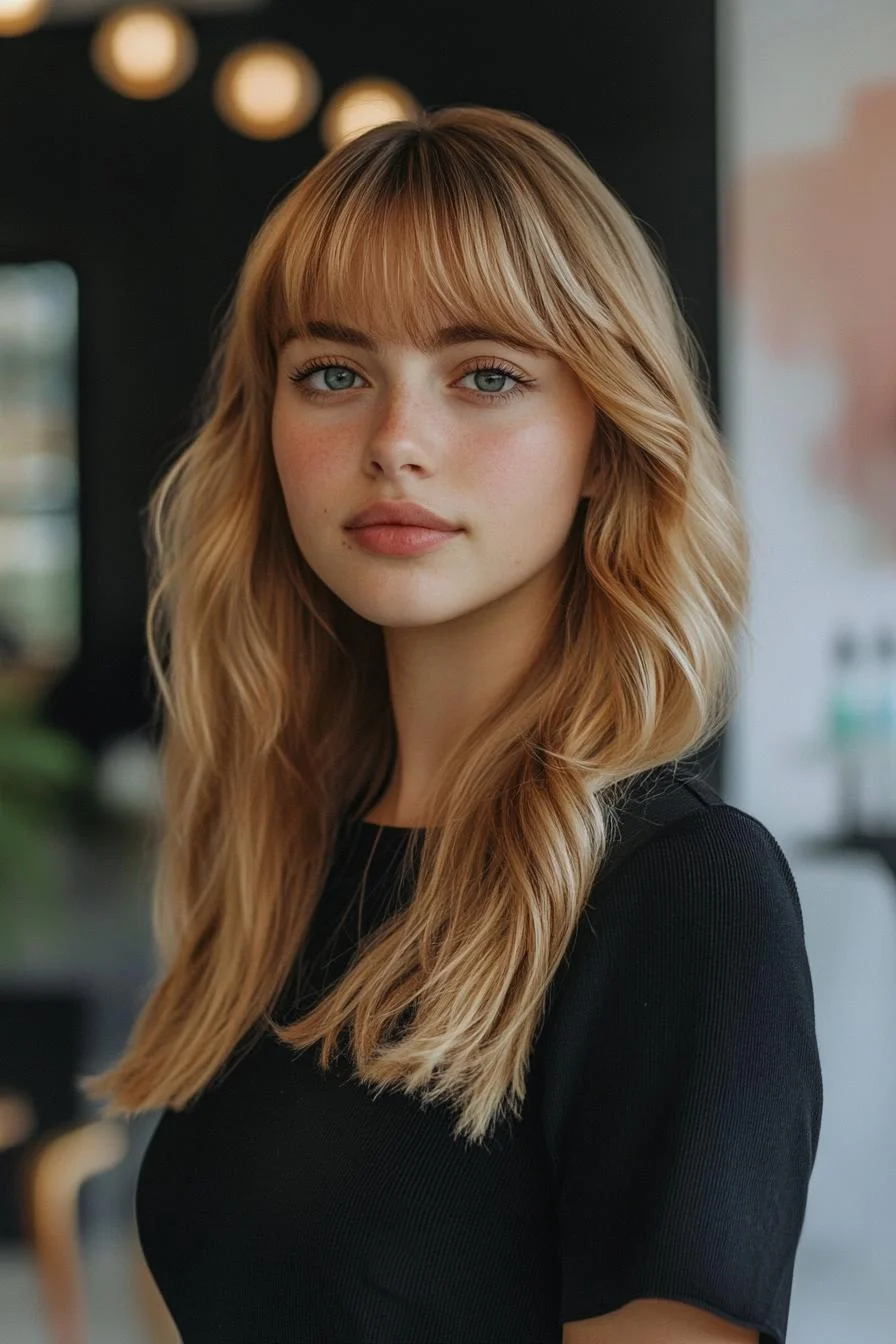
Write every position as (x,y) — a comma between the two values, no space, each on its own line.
(154,203)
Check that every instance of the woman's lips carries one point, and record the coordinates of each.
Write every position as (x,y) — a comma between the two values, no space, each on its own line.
(400,539)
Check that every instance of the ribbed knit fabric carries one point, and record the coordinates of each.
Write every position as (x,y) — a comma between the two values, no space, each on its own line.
(664,1150)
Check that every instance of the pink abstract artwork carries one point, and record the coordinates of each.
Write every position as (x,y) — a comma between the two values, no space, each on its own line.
(810,245)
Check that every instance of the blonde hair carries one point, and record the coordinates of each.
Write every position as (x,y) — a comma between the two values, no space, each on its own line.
(274,693)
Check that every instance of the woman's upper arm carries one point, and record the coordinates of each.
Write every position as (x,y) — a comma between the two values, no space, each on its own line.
(657,1321)
(683,1093)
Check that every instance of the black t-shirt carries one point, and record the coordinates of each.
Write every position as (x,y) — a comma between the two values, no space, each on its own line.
(664,1148)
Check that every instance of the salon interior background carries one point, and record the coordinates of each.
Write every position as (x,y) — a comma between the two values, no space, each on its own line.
(754,139)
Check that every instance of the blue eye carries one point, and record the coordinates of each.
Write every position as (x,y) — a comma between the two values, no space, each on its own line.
(495,371)
(302,375)
(491,368)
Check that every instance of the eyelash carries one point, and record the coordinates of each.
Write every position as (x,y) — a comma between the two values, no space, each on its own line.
(299,376)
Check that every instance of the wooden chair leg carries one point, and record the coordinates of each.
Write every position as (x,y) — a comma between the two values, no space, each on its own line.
(53,1172)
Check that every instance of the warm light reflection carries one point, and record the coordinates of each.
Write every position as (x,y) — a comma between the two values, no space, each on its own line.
(144,51)
(21,16)
(267,90)
(362,104)
(17,1118)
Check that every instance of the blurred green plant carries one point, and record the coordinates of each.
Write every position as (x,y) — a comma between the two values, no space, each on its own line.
(45,775)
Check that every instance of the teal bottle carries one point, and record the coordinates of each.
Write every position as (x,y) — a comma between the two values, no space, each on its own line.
(847,723)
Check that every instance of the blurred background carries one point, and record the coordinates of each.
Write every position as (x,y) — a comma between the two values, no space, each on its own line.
(755,140)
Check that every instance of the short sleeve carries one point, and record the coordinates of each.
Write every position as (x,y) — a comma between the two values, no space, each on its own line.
(684,1088)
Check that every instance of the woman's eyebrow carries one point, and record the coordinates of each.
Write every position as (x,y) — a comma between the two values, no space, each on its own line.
(456,335)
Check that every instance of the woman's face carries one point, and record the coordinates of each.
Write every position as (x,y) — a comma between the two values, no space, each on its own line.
(494,438)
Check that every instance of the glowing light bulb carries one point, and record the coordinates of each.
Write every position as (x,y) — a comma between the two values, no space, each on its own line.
(267,90)
(144,51)
(362,104)
(21,16)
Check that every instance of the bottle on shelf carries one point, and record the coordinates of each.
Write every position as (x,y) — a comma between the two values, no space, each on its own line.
(878,798)
(847,722)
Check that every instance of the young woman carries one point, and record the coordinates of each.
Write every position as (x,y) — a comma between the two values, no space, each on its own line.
(480,1016)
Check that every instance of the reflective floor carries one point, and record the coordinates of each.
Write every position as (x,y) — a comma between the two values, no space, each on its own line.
(112,1300)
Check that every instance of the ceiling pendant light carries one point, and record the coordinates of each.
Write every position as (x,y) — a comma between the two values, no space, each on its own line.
(266,90)
(144,51)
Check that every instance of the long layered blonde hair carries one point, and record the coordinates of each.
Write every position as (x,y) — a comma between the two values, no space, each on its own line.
(274,694)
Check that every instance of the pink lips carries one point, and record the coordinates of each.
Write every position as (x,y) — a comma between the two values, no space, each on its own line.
(401,513)
(400,527)
(401,540)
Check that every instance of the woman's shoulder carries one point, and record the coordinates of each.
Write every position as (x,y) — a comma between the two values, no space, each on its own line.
(686,874)
(674,826)
(698,923)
